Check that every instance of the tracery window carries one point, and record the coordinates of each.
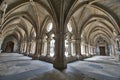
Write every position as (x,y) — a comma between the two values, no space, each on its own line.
(69,43)
(66,48)
(49,27)
(69,27)
(48,41)
(52,45)
(44,52)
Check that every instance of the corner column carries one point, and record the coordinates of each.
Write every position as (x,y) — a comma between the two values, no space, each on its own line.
(60,60)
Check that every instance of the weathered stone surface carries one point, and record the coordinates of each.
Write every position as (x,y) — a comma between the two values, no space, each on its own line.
(14,66)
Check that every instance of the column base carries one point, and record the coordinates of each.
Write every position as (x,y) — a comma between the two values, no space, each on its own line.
(30,55)
(60,65)
(25,54)
(35,57)
(80,57)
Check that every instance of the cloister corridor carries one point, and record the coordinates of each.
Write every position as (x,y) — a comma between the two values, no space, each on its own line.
(14,66)
(59,39)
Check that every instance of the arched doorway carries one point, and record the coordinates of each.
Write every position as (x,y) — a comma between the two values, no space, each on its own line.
(102,46)
(102,50)
(9,46)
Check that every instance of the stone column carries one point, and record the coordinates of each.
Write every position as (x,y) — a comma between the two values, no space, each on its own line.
(87,50)
(114,48)
(93,50)
(61,25)
(19,47)
(27,49)
(30,43)
(78,48)
(90,49)
(1,41)
(74,47)
(32,46)
(38,48)
(23,47)
(60,61)
(89,53)
(43,44)
(48,46)
(35,56)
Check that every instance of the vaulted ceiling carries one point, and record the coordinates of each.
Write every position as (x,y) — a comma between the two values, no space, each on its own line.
(90,17)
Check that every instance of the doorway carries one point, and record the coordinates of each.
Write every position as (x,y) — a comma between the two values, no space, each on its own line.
(9,47)
(102,50)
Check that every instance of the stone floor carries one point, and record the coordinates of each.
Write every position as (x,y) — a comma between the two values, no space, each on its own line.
(14,66)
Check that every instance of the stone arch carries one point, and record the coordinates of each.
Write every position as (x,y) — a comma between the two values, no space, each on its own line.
(10,44)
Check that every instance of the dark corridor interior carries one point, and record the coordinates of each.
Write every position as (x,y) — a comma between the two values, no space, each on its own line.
(9,47)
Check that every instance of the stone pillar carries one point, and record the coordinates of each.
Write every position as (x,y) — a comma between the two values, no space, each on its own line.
(93,51)
(90,50)
(19,47)
(78,48)
(83,49)
(33,47)
(35,56)
(60,61)
(43,44)
(114,48)
(48,46)
(28,47)
(61,25)
(38,48)
(25,48)
(1,41)
(87,50)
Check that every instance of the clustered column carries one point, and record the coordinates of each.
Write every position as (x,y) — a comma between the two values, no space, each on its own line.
(78,48)
(48,46)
